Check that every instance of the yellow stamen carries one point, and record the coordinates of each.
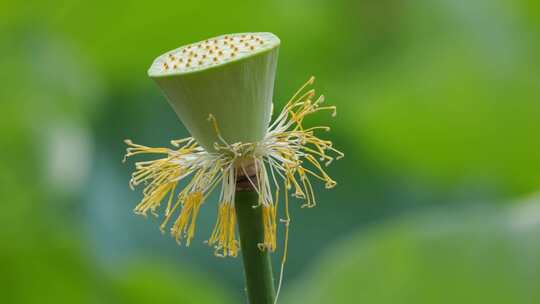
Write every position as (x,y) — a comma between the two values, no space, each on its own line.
(270,228)
(185,223)
(223,236)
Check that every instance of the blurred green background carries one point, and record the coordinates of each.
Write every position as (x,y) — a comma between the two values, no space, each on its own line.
(438,114)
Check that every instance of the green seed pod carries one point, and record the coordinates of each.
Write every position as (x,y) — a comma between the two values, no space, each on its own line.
(230,76)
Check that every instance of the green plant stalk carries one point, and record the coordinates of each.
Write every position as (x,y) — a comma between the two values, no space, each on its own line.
(257,264)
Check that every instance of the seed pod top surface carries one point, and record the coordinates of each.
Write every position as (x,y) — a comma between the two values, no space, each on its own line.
(211,53)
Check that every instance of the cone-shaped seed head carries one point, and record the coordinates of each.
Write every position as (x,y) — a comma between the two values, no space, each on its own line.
(230,77)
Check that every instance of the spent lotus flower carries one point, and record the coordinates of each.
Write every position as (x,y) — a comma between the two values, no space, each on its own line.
(222,90)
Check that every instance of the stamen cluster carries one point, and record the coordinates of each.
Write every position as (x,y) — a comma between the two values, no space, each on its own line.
(274,165)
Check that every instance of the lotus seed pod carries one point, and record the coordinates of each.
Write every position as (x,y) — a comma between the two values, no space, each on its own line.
(230,76)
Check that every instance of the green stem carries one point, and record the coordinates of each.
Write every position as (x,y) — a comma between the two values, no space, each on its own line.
(257,265)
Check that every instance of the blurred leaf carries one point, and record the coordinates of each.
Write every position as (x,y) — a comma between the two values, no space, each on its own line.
(52,272)
(471,256)
(461,107)
(57,271)
(147,282)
